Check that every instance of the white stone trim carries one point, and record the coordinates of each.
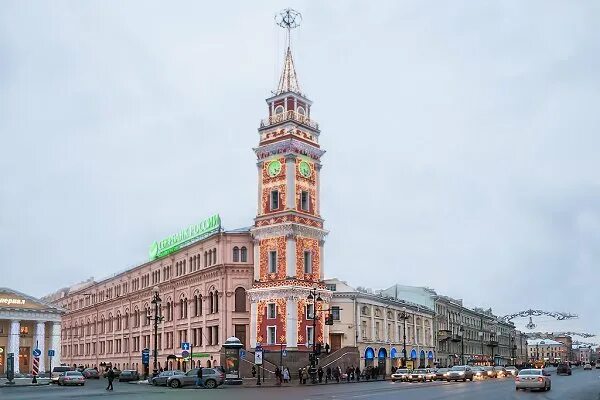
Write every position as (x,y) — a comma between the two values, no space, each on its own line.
(288,229)
(291,329)
(285,292)
(39,338)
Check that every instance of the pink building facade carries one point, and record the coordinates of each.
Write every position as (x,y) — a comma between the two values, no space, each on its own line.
(203,291)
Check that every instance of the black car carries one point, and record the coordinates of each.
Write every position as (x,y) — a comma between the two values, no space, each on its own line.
(129,375)
(563,369)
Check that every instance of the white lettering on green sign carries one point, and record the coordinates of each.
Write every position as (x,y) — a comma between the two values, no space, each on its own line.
(191,233)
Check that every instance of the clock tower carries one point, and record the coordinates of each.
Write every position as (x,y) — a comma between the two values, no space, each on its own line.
(288,229)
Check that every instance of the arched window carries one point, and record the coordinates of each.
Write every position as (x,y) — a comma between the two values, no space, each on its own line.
(301,111)
(240,299)
(181,309)
(279,109)
(216,303)
(236,254)
(185,307)
(205,259)
(244,254)
(126,320)
(118,321)
(200,304)
(211,302)
(195,305)
(214,256)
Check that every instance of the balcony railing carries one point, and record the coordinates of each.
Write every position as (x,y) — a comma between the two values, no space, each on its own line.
(289,116)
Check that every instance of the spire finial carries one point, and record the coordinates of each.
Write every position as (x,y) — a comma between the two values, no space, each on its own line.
(288,19)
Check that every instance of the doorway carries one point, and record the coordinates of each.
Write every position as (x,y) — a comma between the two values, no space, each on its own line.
(335,341)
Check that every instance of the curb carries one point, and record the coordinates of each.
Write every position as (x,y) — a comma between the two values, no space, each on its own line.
(24,385)
(273,385)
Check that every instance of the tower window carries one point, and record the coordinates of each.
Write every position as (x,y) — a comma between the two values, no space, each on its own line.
(271,335)
(310,309)
(279,110)
(274,200)
(271,311)
(304,200)
(307,262)
(301,111)
(272,262)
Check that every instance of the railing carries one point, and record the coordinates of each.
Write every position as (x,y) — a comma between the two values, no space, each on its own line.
(289,116)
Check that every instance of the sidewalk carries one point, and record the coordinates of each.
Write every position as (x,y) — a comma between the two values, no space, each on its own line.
(23,382)
(251,383)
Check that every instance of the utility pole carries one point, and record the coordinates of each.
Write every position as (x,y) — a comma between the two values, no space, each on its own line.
(156,300)
(404,316)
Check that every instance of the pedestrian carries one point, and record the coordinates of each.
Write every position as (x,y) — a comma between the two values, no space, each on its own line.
(304,376)
(110,374)
(328,375)
(336,374)
(300,374)
(278,376)
(352,372)
(320,374)
(286,375)
(357,374)
(199,381)
(254,371)
(327,348)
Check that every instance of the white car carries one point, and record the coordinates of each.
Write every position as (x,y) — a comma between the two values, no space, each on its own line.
(533,379)
(587,366)
(401,375)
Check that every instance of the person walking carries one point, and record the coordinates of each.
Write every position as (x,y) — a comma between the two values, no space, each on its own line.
(328,375)
(327,348)
(357,374)
(286,375)
(110,374)
(199,382)
(278,376)
(300,374)
(336,374)
(320,374)
(254,371)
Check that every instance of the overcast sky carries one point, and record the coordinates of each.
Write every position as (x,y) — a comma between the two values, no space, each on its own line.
(462,139)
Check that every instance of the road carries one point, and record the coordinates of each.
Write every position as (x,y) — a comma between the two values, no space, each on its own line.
(582,385)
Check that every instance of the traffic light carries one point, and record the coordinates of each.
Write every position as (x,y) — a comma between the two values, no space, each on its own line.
(329,319)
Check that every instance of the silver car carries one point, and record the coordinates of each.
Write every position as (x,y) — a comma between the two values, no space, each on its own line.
(71,378)
(400,374)
(211,378)
(161,379)
(533,379)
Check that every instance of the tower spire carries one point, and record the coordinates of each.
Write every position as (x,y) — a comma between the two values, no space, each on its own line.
(288,82)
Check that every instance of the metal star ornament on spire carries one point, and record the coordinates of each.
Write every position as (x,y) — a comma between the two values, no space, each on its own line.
(288,82)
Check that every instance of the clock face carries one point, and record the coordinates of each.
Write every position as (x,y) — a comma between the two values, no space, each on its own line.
(274,168)
(304,169)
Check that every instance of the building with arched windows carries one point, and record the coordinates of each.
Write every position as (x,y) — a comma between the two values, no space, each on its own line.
(202,284)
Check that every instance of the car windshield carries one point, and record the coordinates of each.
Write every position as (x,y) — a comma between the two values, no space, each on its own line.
(457,368)
(73,373)
(487,368)
(126,372)
(499,367)
(477,369)
(531,372)
(442,370)
(401,371)
(420,371)
(193,372)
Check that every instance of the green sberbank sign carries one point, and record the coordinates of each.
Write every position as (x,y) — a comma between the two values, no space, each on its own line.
(190,234)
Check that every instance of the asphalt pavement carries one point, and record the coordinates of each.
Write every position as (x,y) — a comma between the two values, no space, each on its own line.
(582,385)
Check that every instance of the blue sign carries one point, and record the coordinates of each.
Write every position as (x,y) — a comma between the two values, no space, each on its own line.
(51,353)
(145,356)
(37,352)
(284,353)
(242,353)
(185,346)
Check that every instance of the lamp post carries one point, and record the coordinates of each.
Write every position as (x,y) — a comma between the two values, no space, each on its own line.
(481,339)
(156,300)
(404,316)
(314,298)
(462,345)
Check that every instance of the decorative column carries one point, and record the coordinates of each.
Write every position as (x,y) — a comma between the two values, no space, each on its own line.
(259,166)
(321,259)
(55,342)
(290,255)
(14,341)
(40,340)
(318,181)
(290,175)
(253,323)
(256,259)
(291,329)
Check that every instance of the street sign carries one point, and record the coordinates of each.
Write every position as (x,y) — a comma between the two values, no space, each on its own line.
(284,353)
(258,357)
(185,354)
(146,356)
(185,346)
(1,350)
(37,352)
(51,353)
(242,353)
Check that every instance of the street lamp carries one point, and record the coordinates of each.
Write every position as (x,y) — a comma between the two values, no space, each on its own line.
(403,316)
(481,339)
(315,298)
(156,300)
(461,333)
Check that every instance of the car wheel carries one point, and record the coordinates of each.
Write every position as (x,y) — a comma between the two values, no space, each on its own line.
(464,379)
(393,380)
(175,384)
(447,380)
(154,383)
(210,384)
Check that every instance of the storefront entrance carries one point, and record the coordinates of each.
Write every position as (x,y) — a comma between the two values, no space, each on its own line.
(2,358)
(24,358)
(335,341)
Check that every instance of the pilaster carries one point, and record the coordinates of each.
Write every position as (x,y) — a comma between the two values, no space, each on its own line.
(253,322)
(40,342)
(291,324)
(14,341)
(290,255)
(290,174)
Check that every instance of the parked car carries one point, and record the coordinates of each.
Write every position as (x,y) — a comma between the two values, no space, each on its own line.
(533,379)
(400,374)
(587,366)
(161,379)
(90,373)
(71,378)
(512,370)
(460,373)
(441,374)
(563,369)
(129,375)
(57,371)
(479,372)
(211,378)
(420,375)
(491,372)
(500,371)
